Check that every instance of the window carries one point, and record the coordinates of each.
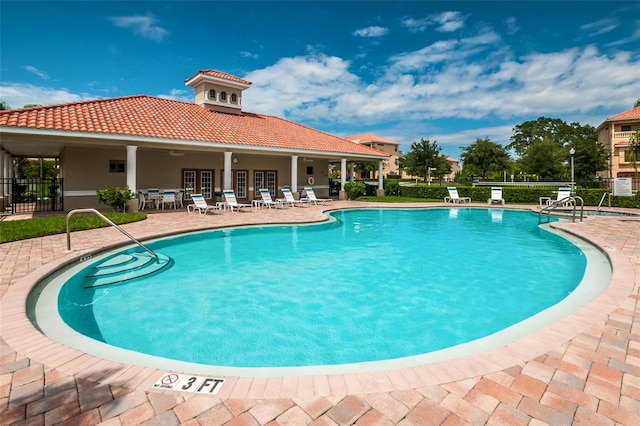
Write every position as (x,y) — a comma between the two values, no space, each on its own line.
(309,170)
(265,179)
(116,166)
(241,184)
(234,98)
(198,182)
(212,94)
(223,96)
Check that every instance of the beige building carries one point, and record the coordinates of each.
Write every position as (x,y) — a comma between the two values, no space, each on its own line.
(391,147)
(614,135)
(148,142)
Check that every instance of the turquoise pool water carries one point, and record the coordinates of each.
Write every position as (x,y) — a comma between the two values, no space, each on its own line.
(371,285)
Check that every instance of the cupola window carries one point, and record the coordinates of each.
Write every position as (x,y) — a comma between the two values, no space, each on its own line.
(234,98)
(223,96)
(212,94)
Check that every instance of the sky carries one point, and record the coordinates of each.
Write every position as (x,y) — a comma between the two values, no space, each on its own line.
(446,71)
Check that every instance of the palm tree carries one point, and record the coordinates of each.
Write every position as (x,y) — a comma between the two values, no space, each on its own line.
(634,150)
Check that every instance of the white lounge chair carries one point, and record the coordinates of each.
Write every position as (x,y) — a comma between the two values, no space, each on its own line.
(311,196)
(268,201)
(289,200)
(232,202)
(200,204)
(496,195)
(454,197)
(563,194)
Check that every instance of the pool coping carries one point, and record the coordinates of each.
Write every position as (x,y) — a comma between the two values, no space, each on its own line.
(23,336)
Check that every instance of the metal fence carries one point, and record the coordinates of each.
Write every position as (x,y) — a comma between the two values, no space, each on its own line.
(31,195)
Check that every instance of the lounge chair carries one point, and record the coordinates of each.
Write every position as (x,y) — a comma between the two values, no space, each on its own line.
(563,194)
(311,196)
(454,197)
(496,195)
(268,201)
(200,204)
(232,202)
(289,200)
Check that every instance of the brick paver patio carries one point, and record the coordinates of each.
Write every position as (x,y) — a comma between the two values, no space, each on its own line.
(583,369)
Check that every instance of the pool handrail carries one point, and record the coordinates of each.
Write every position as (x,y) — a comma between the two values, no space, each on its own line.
(548,210)
(72,212)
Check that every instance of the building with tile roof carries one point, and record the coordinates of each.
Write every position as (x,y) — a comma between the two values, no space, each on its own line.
(206,146)
(614,134)
(391,147)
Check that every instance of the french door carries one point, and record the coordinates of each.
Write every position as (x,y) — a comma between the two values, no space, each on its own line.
(198,182)
(265,179)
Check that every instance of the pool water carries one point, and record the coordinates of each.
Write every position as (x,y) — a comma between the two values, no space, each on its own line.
(374,284)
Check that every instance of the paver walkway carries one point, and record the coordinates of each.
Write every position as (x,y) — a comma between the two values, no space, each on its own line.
(585,370)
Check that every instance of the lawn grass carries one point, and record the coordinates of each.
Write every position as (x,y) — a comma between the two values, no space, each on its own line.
(14,230)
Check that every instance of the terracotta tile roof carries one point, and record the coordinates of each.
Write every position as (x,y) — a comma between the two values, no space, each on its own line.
(370,137)
(147,116)
(630,114)
(223,75)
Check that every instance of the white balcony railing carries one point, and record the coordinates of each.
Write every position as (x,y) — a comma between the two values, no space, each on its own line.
(622,135)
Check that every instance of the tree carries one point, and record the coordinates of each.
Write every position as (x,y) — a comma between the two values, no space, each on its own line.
(590,156)
(634,150)
(637,104)
(425,158)
(484,156)
(530,132)
(545,159)
(4,106)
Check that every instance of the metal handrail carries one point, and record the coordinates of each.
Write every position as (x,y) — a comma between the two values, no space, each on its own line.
(602,199)
(561,203)
(72,212)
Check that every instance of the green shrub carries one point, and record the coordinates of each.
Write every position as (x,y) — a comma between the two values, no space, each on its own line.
(355,189)
(115,197)
(391,187)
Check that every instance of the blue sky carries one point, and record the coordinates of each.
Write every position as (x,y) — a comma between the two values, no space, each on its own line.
(446,71)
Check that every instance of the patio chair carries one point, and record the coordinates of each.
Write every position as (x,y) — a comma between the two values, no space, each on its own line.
(154,197)
(180,198)
(289,200)
(168,197)
(496,195)
(454,197)
(563,194)
(200,204)
(142,200)
(268,201)
(232,202)
(311,196)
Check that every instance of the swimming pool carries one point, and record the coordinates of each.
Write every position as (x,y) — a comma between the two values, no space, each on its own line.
(251,290)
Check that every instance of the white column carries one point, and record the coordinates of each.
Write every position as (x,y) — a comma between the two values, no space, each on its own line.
(132,182)
(380,169)
(2,165)
(294,174)
(228,183)
(352,172)
(343,173)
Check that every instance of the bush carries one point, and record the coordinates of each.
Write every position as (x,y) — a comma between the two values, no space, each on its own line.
(391,187)
(115,197)
(355,189)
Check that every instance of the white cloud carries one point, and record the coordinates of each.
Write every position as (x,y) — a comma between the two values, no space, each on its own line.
(43,75)
(17,95)
(511,25)
(444,22)
(141,25)
(249,55)
(178,95)
(371,32)
(600,27)
(635,36)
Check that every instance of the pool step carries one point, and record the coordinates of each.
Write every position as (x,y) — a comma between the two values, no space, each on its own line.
(124,267)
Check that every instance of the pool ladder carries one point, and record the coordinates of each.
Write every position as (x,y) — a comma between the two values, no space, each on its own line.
(553,209)
(72,212)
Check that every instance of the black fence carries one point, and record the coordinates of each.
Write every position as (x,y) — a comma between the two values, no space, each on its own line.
(32,195)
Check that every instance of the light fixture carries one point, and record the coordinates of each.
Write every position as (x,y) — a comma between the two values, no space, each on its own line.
(176,154)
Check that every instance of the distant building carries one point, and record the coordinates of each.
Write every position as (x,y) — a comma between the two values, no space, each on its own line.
(614,135)
(391,147)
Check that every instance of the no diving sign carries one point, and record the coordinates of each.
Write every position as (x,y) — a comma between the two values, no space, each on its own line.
(188,383)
